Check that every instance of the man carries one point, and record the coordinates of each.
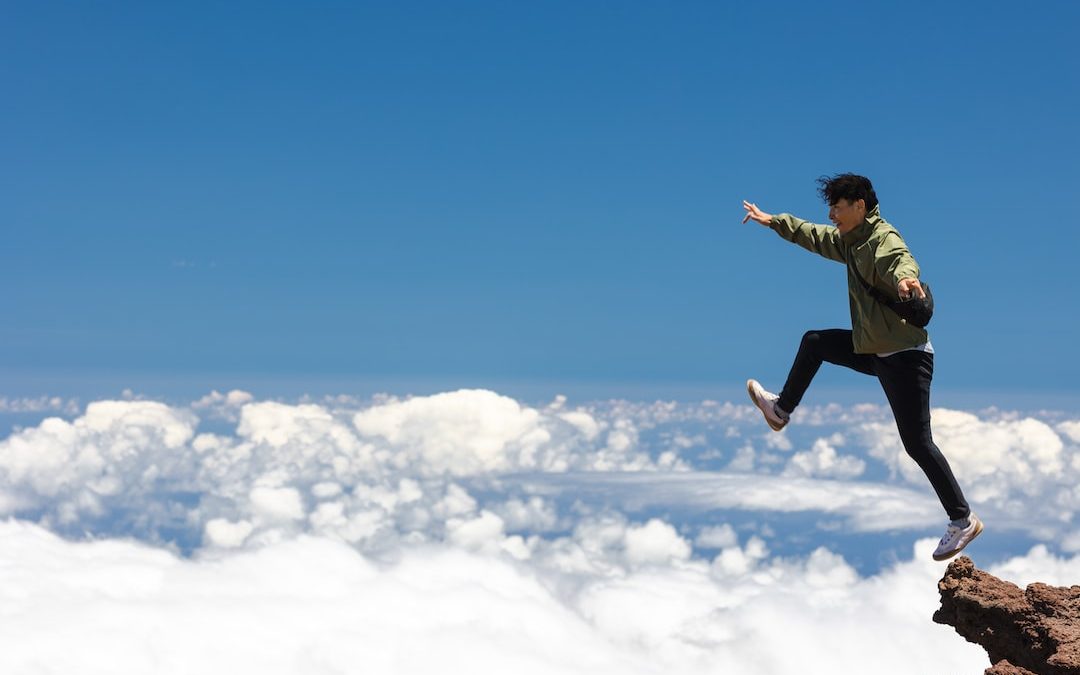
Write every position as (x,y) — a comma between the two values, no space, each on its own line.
(880,342)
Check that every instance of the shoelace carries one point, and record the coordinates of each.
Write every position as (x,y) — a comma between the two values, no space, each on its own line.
(949,531)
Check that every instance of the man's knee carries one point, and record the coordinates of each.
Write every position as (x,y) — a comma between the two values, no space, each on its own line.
(811,340)
(918,442)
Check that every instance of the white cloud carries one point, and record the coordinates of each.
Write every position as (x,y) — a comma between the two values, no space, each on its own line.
(456,502)
(721,536)
(735,561)
(779,442)
(306,427)
(382,473)
(744,460)
(655,542)
(1070,429)
(314,605)
(823,460)
(1010,464)
(39,404)
(583,422)
(459,433)
(869,507)
(496,534)
(227,534)
(116,449)
(277,503)
(534,514)
(225,406)
(351,523)
(471,432)
(483,533)
(1038,565)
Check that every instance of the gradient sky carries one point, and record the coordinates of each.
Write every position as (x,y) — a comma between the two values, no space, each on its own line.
(484,191)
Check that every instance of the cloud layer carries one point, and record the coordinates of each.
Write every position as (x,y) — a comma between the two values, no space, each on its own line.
(380,472)
(318,606)
(322,534)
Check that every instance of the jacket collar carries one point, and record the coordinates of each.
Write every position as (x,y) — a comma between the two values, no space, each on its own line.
(862,231)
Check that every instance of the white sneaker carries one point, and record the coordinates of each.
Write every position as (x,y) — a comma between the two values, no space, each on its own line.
(956,538)
(766,403)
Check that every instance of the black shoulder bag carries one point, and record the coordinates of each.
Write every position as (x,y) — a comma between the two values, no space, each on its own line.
(915,310)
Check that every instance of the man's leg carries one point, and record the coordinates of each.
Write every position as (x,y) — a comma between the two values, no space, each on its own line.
(905,377)
(818,346)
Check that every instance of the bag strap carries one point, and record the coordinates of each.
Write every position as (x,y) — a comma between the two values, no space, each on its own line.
(874,293)
(877,295)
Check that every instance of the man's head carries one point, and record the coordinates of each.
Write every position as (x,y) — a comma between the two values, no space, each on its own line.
(849,197)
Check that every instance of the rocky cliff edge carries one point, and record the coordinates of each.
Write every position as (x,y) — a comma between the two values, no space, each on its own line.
(1034,630)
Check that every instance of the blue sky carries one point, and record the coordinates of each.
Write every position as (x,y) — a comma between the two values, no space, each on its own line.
(279,194)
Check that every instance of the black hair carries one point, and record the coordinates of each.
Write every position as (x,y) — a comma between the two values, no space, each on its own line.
(847,186)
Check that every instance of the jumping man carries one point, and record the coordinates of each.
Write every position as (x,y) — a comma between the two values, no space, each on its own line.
(880,343)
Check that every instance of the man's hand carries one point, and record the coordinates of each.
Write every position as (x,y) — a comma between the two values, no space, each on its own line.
(909,286)
(756,214)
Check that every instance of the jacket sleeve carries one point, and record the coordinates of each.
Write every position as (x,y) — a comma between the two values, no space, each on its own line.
(894,262)
(820,239)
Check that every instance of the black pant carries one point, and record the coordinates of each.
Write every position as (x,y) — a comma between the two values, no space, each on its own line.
(905,377)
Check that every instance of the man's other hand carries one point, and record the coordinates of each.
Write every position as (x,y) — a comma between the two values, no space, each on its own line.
(756,214)
(909,286)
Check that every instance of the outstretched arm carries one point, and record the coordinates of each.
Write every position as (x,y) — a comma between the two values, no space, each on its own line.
(820,239)
(753,212)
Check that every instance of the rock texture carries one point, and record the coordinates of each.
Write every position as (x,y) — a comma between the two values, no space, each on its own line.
(1032,631)
(1003,667)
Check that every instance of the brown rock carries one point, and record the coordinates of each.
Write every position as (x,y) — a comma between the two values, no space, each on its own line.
(1036,630)
(1005,668)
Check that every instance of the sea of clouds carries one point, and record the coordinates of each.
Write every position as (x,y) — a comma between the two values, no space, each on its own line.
(469,530)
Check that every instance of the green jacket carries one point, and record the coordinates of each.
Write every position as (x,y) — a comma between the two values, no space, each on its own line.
(876,250)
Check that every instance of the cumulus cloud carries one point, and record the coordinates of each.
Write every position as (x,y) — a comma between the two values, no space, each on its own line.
(226,534)
(995,456)
(475,431)
(1007,465)
(319,606)
(277,503)
(116,451)
(823,460)
(534,514)
(40,404)
(459,433)
(387,470)
(369,476)
(1071,430)
(735,561)
(555,538)
(655,542)
(721,536)
(225,406)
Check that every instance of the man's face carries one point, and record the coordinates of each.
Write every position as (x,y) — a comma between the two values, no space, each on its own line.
(847,215)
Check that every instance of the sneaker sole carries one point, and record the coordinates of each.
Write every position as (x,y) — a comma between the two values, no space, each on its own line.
(977,532)
(754,399)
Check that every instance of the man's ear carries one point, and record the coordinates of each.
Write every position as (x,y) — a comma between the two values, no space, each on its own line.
(862,203)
